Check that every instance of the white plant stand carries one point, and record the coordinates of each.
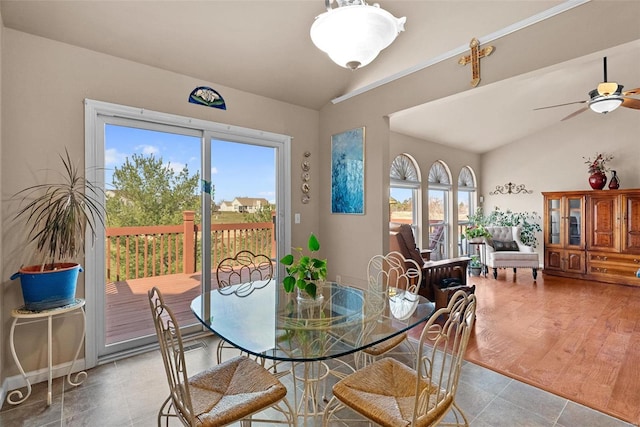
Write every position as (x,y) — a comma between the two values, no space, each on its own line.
(26,317)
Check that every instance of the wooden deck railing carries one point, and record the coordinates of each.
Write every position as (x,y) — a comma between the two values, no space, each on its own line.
(148,251)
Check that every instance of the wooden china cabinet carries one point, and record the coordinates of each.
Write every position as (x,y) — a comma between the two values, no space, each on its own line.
(593,235)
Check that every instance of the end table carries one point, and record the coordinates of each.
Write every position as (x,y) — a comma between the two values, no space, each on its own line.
(26,317)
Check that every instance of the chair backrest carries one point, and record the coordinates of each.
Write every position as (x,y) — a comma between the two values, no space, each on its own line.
(443,343)
(170,340)
(401,240)
(391,271)
(504,233)
(243,267)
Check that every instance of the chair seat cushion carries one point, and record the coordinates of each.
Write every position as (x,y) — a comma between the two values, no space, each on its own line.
(384,392)
(232,390)
(514,256)
(508,259)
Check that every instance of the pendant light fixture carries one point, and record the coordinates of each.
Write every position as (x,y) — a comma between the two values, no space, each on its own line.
(354,33)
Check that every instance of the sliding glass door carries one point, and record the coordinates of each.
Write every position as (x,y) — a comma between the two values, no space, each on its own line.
(178,200)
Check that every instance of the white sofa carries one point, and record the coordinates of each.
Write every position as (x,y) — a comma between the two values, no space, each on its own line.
(505,250)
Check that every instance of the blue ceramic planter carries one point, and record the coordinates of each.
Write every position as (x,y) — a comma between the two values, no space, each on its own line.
(44,290)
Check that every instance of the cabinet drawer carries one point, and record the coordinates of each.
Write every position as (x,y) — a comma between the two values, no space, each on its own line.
(607,257)
(608,264)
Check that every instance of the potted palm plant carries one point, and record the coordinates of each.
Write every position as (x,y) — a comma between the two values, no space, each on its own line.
(59,215)
(306,272)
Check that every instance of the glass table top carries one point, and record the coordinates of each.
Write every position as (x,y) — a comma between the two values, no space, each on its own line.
(260,318)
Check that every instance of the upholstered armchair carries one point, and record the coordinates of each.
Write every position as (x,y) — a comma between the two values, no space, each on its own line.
(504,249)
(401,240)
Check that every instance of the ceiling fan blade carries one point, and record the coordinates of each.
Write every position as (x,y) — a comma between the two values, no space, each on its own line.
(560,105)
(631,103)
(607,88)
(575,113)
(632,91)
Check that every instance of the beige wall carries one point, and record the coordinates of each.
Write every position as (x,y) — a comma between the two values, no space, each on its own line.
(45,83)
(2,334)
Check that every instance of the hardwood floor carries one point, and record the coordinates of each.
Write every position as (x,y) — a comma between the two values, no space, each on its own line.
(577,339)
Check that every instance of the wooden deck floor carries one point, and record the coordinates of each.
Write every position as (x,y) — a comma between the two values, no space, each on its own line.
(127,308)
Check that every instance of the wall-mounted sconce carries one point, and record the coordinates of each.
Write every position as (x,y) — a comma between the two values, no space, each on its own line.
(510,188)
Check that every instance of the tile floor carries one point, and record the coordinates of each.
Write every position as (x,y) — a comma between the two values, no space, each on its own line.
(128,392)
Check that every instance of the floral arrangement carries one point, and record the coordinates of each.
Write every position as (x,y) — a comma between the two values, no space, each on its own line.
(304,272)
(598,164)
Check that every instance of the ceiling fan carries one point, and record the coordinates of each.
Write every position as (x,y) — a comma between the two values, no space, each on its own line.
(605,98)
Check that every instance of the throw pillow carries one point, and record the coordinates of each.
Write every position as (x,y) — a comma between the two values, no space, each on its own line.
(505,246)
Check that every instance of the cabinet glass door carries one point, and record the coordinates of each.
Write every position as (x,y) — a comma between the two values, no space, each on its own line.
(553,219)
(575,226)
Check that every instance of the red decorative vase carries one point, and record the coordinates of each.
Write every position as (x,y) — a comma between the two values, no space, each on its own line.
(614,182)
(598,180)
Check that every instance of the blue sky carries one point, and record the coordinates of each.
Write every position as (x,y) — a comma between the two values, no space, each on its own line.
(237,170)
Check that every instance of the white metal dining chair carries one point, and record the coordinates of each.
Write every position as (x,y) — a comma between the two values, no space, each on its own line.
(389,276)
(232,391)
(391,394)
(244,267)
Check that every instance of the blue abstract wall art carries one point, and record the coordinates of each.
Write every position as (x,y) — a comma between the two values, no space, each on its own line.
(347,172)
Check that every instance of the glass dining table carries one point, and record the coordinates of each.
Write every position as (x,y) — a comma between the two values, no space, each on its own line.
(261,319)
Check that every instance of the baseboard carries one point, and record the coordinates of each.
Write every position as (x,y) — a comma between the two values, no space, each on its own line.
(40,375)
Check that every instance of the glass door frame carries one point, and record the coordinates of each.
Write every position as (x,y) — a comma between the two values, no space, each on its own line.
(97,113)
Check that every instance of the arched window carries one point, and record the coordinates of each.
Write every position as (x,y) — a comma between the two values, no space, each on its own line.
(467,202)
(404,193)
(439,195)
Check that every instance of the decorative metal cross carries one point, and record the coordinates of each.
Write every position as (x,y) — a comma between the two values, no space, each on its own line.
(474,58)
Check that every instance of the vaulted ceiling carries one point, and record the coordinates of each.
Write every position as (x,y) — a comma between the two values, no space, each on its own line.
(263,47)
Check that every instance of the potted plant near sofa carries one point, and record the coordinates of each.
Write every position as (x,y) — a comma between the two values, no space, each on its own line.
(58,216)
(476,233)
(475,266)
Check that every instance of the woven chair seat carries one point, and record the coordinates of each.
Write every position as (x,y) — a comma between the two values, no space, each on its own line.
(384,392)
(386,345)
(233,390)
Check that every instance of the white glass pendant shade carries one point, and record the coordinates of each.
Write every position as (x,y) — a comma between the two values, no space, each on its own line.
(353,36)
(605,104)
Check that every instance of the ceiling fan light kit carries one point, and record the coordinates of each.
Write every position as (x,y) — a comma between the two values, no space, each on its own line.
(605,98)
(354,33)
(604,104)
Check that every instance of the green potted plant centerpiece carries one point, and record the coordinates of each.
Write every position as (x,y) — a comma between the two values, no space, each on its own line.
(305,272)
(58,216)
